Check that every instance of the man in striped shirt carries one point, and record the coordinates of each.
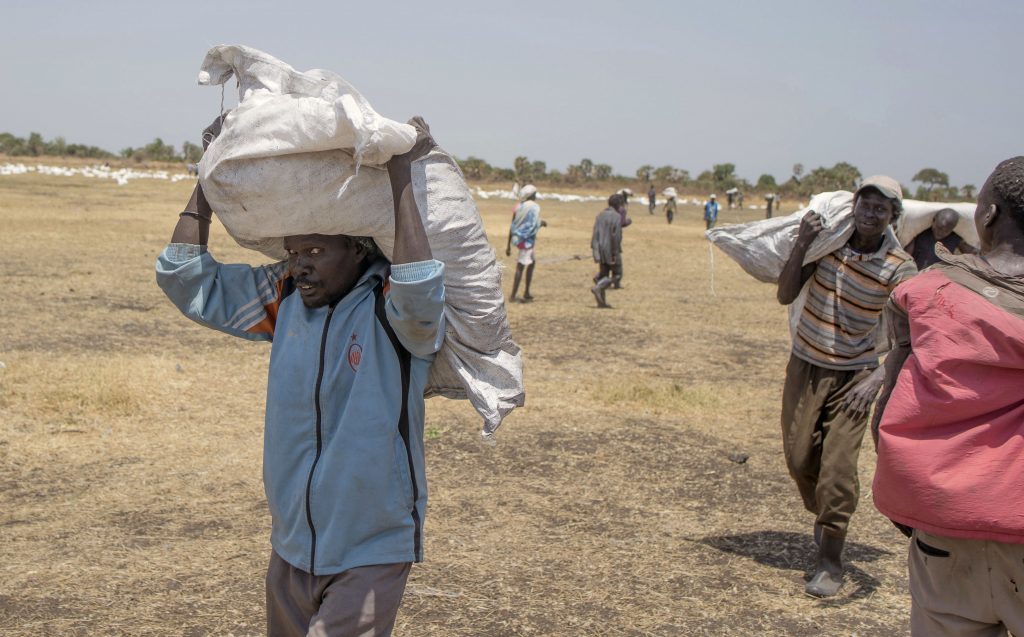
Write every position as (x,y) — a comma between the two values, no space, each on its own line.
(833,374)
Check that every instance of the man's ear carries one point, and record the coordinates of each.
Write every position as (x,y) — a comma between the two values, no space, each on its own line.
(989,216)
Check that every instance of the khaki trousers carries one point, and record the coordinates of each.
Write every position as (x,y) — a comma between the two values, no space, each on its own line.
(359,602)
(962,588)
(822,443)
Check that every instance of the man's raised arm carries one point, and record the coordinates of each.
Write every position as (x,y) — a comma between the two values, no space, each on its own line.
(415,305)
(236,299)
(795,273)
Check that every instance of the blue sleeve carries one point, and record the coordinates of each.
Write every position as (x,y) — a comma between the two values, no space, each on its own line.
(240,300)
(415,306)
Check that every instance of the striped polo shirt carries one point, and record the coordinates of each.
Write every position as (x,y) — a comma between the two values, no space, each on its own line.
(839,323)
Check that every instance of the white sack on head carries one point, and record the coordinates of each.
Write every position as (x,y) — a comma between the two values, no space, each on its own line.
(918,216)
(303,154)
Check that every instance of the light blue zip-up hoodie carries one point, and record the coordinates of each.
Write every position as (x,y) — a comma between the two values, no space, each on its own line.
(343,463)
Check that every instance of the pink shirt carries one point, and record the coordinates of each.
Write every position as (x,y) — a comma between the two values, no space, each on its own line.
(951,440)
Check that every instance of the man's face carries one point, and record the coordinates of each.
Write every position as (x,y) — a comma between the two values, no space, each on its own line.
(872,213)
(324,267)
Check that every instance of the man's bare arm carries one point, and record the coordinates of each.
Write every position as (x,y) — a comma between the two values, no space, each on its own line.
(410,237)
(795,273)
(194,223)
(899,335)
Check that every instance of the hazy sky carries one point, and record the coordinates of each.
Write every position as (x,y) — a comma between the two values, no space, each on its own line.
(890,87)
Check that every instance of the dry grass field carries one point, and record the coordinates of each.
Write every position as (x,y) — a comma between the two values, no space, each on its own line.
(131,500)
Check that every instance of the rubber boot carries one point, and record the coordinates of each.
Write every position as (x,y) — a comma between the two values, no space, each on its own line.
(828,573)
(598,291)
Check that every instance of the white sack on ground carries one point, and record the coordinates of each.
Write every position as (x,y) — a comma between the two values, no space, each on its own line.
(918,215)
(303,153)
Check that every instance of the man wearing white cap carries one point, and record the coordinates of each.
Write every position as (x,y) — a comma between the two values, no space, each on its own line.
(526,222)
(711,211)
(833,375)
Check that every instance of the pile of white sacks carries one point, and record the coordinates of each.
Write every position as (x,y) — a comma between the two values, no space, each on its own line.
(121,175)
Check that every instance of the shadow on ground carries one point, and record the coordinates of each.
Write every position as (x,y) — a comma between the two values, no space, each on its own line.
(795,551)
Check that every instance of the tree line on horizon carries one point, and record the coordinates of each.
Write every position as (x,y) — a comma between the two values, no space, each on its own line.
(35,146)
(933,184)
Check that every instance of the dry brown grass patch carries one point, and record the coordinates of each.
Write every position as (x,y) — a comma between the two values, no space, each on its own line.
(130,442)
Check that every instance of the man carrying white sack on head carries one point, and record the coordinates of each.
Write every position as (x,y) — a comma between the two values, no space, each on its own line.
(941,230)
(526,222)
(833,374)
(352,342)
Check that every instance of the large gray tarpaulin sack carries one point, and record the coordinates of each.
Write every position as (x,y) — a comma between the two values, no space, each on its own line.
(762,247)
(304,153)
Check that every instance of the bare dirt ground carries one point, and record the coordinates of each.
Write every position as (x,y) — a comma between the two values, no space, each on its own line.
(131,500)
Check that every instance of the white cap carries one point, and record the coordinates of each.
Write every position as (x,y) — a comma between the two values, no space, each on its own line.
(714,196)
(527,191)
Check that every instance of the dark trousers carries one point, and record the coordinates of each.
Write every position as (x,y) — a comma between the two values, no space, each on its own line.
(608,274)
(821,442)
(361,601)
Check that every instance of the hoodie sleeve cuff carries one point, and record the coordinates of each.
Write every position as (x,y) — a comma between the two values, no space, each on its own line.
(181,252)
(415,272)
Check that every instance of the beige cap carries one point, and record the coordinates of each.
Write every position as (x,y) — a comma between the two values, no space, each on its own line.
(528,189)
(885,185)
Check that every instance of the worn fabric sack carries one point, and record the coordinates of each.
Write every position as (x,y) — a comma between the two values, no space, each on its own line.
(304,153)
(762,247)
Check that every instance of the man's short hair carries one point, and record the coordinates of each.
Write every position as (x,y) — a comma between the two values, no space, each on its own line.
(947,213)
(1008,187)
(616,201)
(368,244)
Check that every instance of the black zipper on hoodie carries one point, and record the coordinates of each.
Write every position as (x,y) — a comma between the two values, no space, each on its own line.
(319,441)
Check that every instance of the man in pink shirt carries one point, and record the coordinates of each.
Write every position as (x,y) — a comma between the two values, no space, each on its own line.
(949,425)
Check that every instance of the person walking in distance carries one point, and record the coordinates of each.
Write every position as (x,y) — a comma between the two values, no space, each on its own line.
(670,204)
(526,222)
(606,246)
(711,212)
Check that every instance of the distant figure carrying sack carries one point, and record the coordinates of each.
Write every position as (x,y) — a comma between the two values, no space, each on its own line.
(526,222)
(670,204)
(711,212)
(922,247)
